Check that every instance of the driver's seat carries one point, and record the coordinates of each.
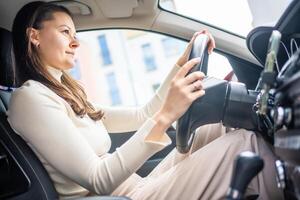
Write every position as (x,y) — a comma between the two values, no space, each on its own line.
(22,174)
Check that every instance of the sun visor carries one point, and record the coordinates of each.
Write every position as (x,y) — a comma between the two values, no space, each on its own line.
(76,8)
(117,8)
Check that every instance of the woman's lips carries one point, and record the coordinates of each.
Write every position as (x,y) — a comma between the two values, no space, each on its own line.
(70,53)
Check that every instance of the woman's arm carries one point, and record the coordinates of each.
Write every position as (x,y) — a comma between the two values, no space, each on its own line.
(125,119)
(118,119)
(42,120)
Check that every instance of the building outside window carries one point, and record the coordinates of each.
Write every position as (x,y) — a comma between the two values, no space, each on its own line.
(155,86)
(129,50)
(148,57)
(172,46)
(114,92)
(104,49)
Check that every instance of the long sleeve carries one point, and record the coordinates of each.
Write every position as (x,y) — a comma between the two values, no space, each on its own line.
(75,148)
(122,119)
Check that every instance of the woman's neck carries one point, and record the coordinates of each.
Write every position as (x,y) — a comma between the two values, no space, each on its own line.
(56,73)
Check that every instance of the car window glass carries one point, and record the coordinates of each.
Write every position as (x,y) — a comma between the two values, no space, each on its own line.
(218,66)
(226,16)
(125,67)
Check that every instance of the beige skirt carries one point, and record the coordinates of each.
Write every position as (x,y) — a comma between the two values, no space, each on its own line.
(204,172)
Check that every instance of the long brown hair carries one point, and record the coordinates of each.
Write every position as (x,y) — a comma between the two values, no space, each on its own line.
(29,64)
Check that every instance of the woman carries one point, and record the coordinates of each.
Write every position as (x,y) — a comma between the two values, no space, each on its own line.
(51,113)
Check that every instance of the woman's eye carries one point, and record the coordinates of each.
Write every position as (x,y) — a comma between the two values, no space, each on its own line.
(66,31)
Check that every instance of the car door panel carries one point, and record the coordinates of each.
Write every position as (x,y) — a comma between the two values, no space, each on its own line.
(119,138)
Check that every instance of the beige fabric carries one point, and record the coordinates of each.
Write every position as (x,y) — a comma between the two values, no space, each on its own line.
(204,173)
(73,149)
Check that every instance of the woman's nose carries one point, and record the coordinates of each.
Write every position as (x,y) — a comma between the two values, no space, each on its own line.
(74,43)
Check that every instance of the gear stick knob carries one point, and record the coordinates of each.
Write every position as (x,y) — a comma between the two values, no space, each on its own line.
(246,166)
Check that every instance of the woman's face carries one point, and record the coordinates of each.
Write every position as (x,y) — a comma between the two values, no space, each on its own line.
(57,41)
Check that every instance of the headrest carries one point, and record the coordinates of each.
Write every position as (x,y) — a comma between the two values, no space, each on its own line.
(6,62)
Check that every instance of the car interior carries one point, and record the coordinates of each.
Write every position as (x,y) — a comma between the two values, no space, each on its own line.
(22,175)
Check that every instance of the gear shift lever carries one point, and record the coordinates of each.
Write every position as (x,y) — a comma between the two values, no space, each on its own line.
(246,166)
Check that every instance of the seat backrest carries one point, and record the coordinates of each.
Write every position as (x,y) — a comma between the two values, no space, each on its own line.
(22,175)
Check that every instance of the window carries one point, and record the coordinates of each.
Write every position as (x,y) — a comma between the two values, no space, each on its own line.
(105,53)
(155,86)
(75,71)
(218,66)
(237,16)
(172,46)
(113,89)
(148,57)
(128,82)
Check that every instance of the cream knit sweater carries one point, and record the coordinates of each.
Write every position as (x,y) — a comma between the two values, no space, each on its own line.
(74,150)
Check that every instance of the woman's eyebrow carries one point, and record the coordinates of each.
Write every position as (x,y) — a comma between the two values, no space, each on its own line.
(64,25)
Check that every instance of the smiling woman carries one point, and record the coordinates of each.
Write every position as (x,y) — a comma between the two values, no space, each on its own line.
(56,41)
(46,44)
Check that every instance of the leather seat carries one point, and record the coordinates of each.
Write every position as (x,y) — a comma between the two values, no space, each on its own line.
(22,175)
(26,177)
(6,75)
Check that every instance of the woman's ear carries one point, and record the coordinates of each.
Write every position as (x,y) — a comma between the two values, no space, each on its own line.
(33,36)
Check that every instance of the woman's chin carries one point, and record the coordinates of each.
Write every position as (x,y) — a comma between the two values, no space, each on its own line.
(69,65)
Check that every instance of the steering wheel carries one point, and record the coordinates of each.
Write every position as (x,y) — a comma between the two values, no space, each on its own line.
(184,130)
(224,101)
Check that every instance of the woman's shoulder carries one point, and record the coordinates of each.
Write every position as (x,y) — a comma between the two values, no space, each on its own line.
(33,92)
(29,102)
(30,88)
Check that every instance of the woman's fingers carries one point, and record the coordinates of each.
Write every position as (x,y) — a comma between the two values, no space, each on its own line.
(195,86)
(185,56)
(183,90)
(187,67)
(197,94)
(192,77)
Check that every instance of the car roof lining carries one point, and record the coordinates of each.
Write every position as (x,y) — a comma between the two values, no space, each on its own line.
(147,15)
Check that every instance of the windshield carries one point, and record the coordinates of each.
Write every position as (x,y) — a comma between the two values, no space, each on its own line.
(236,16)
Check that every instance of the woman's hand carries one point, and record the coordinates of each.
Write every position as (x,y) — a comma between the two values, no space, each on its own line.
(182,92)
(185,56)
